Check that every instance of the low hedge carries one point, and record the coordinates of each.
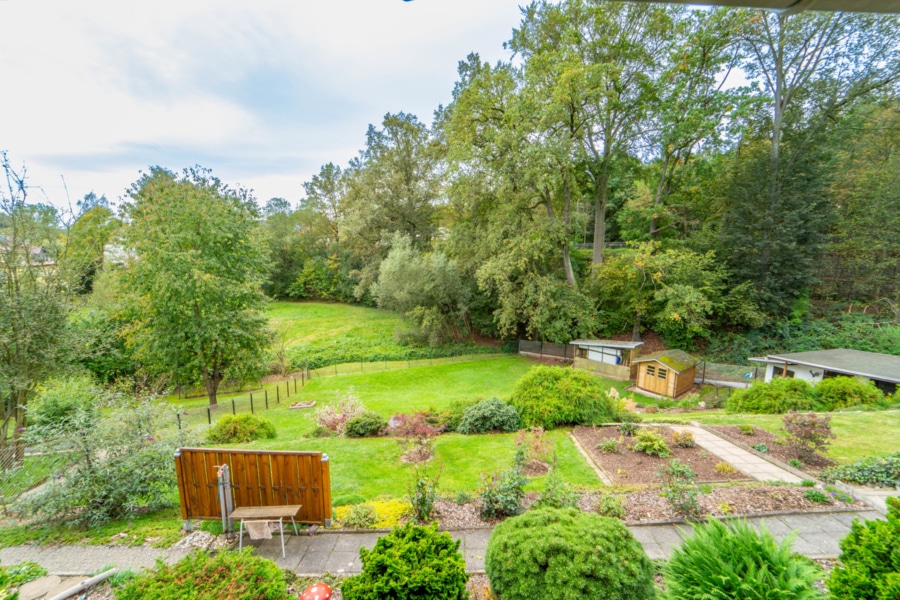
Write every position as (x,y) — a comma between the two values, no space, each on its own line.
(552,396)
(237,429)
(368,424)
(492,414)
(410,563)
(201,576)
(561,554)
(869,565)
(778,396)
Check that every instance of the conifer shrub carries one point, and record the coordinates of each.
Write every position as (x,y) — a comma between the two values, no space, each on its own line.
(869,567)
(552,396)
(560,554)
(201,576)
(735,562)
(410,563)
(776,397)
(845,392)
(368,424)
(492,414)
(237,429)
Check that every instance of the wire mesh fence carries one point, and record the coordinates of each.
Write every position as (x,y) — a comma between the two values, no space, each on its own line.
(18,476)
(547,349)
(281,391)
(708,372)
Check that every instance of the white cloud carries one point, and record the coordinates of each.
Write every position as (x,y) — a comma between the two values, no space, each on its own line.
(262,94)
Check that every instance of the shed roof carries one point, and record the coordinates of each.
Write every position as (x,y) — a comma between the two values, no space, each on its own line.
(677,360)
(882,367)
(606,344)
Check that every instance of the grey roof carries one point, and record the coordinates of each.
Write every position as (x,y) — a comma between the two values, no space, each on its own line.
(606,343)
(677,360)
(883,367)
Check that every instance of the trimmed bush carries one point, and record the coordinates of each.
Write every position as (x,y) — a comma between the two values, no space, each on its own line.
(776,397)
(237,429)
(869,567)
(651,443)
(201,576)
(552,396)
(843,392)
(411,562)
(492,414)
(562,554)
(733,561)
(883,471)
(58,401)
(368,424)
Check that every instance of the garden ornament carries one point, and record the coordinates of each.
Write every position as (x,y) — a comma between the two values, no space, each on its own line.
(317,591)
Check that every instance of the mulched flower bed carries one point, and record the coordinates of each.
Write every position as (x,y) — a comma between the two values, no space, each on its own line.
(775,444)
(632,467)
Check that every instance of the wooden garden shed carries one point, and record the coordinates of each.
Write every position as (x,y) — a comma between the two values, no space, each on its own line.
(667,373)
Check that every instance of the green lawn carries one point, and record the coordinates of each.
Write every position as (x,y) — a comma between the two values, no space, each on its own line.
(372,467)
(859,434)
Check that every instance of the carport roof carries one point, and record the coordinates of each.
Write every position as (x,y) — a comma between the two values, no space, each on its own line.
(882,367)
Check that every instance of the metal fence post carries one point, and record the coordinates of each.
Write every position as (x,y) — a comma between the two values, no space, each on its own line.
(251,402)
(209,415)
(295,385)
(277,394)
(267,398)
(233,409)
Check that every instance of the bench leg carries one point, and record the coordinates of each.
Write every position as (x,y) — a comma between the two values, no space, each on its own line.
(295,526)
(281,522)
(241,538)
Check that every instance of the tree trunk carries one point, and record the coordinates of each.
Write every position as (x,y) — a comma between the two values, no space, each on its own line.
(601,193)
(567,259)
(636,330)
(657,201)
(211,383)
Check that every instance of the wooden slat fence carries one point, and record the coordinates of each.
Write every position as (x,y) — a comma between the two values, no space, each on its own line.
(258,478)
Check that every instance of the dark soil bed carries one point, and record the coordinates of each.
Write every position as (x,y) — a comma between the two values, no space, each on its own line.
(632,467)
(775,444)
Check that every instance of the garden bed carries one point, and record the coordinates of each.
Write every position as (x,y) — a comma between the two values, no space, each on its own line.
(776,446)
(632,467)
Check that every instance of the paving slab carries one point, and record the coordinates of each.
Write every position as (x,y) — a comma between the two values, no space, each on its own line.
(39,587)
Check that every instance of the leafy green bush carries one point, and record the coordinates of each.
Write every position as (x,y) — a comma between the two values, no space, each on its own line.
(629,429)
(882,471)
(807,433)
(746,429)
(61,399)
(368,424)
(817,496)
(778,396)
(554,396)
(422,492)
(492,414)
(843,392)
(410,563)
(683,439)
(762,448)
(360,516)
(451,418)
(502,493)
(733,561)
(808,483)
(610,505)
(201,576)
(679,487)
(557,493)
(796,463)
(238,429)
(869,567)
(609,446)
(650,442)
(121,465)
(560,554)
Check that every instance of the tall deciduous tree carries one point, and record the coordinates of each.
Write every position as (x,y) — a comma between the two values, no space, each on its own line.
(33,307)
(195,277)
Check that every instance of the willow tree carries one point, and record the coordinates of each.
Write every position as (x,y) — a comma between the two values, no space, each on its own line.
(195,278)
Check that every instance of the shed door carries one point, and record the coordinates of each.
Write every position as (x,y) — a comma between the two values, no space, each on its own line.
(656,379)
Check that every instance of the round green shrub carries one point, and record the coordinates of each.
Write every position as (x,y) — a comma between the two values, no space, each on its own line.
(844,392)
(58,401)
(200,576)
(563,553)
(368,424)
(410,562)
(738,563)
(778,396)
(492,414)
(869,567)
(237,429)
(552,396)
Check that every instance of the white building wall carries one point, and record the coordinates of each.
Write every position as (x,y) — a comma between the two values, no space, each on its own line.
(606,356)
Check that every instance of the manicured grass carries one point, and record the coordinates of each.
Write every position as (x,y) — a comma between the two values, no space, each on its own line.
(372,467)
(312,322)
(859,434)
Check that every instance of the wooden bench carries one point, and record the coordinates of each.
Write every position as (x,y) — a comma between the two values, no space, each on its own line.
(266,514)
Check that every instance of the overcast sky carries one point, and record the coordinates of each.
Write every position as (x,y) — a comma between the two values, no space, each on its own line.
(94,92)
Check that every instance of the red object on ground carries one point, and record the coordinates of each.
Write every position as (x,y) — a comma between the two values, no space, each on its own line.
(317,591)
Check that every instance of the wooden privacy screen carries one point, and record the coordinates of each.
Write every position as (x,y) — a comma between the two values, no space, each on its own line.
(258,478)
